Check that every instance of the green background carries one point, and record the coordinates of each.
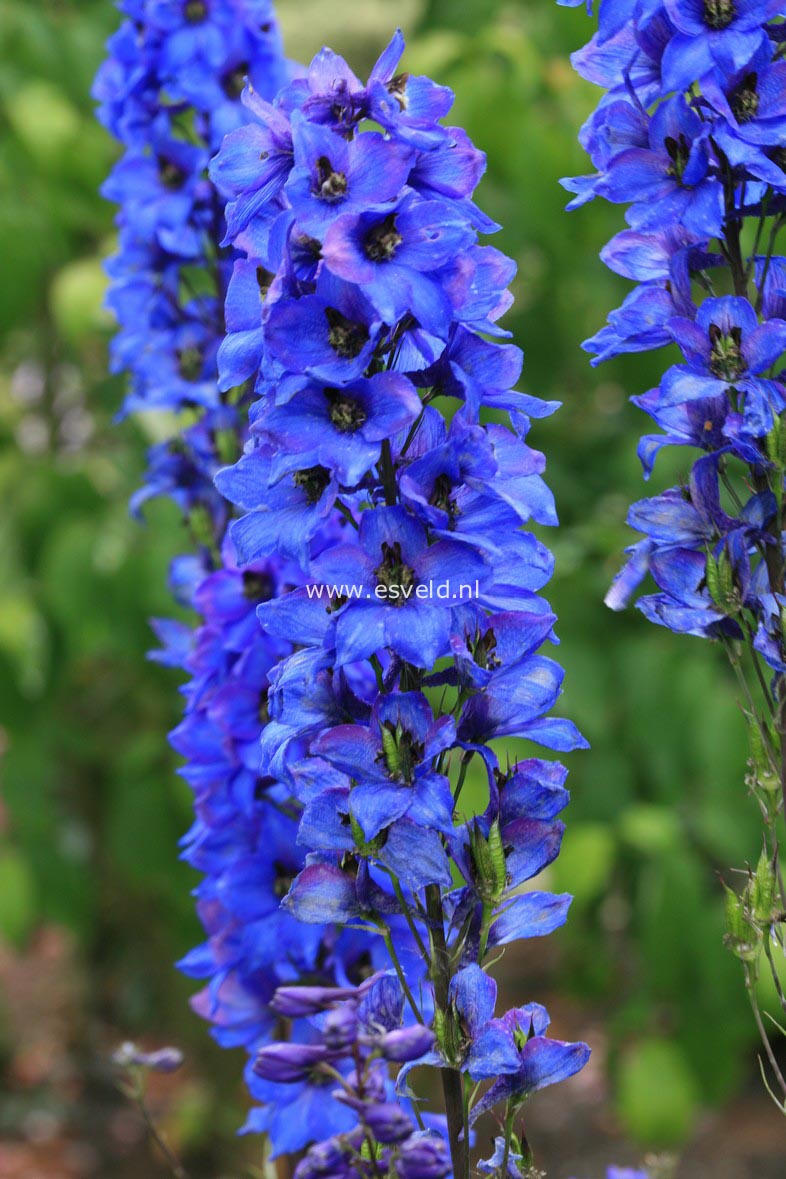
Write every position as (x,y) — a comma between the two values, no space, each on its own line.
(92,809)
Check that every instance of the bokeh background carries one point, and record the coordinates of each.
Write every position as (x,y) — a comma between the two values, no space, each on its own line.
(94,904)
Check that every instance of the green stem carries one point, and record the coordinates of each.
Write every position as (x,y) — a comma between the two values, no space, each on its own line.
(510,1113)
(773,969)
(378,672)
(345,512)
(387,473)
(750,985)
(410,920)
(465,760)
(452,1087)
(776,228)
(485,930)
(402,978)
(172,1161)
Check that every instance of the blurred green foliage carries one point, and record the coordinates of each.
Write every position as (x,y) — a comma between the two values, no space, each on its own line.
(92,808)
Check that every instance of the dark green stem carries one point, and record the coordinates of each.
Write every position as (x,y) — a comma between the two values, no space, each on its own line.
(387,473)
(451,1077)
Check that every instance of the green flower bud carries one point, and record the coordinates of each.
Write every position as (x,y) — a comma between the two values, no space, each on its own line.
(742,938)
(762,891)
(719,576)
(488,858)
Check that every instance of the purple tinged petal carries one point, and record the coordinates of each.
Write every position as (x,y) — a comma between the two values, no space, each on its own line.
(533,914)
(547,1062)
(630,576)
(415,855)
(407,1043)
(765,345)
(322,893)
(474,994)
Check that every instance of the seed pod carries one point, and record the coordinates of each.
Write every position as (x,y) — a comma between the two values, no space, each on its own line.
(762,890)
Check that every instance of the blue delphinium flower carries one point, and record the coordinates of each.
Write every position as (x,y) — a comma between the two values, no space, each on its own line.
(376,619)
(504,1161)
(169,91)
(243,840)
(712,544)
(690,135)
(366,311)
(331,1076)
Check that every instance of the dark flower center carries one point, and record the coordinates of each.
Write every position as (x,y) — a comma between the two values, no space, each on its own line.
(313,481)
(679,154)
(264,279)
(311,245)
(257,587)
(394,574)
(726,359)
(283,879)
(261,787)
(170,175)
(195,11)
(346,414)
(441,497)
(189,363)
(485,648)
(397,88)
(330,185)
(383,240)
(401,752)
(719,14)
(336,603)
(361,969)
(235,81)
(745,99)
(263,711)
(347,339)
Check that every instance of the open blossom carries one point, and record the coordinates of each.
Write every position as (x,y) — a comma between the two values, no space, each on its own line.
(367,587)
(366,311)
(711,106)
(331,1076)
(689,135)
(169,91)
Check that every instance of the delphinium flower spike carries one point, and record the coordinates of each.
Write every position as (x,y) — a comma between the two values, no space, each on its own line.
(691,136)
(169,91)
(367,313)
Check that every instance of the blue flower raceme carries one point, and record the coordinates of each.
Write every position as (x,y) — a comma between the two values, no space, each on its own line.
(690,136)
(331,1078)
(169,91)
(301,278)
(711,545)
(365,309)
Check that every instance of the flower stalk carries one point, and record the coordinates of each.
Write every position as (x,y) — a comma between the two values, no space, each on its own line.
(702,91)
